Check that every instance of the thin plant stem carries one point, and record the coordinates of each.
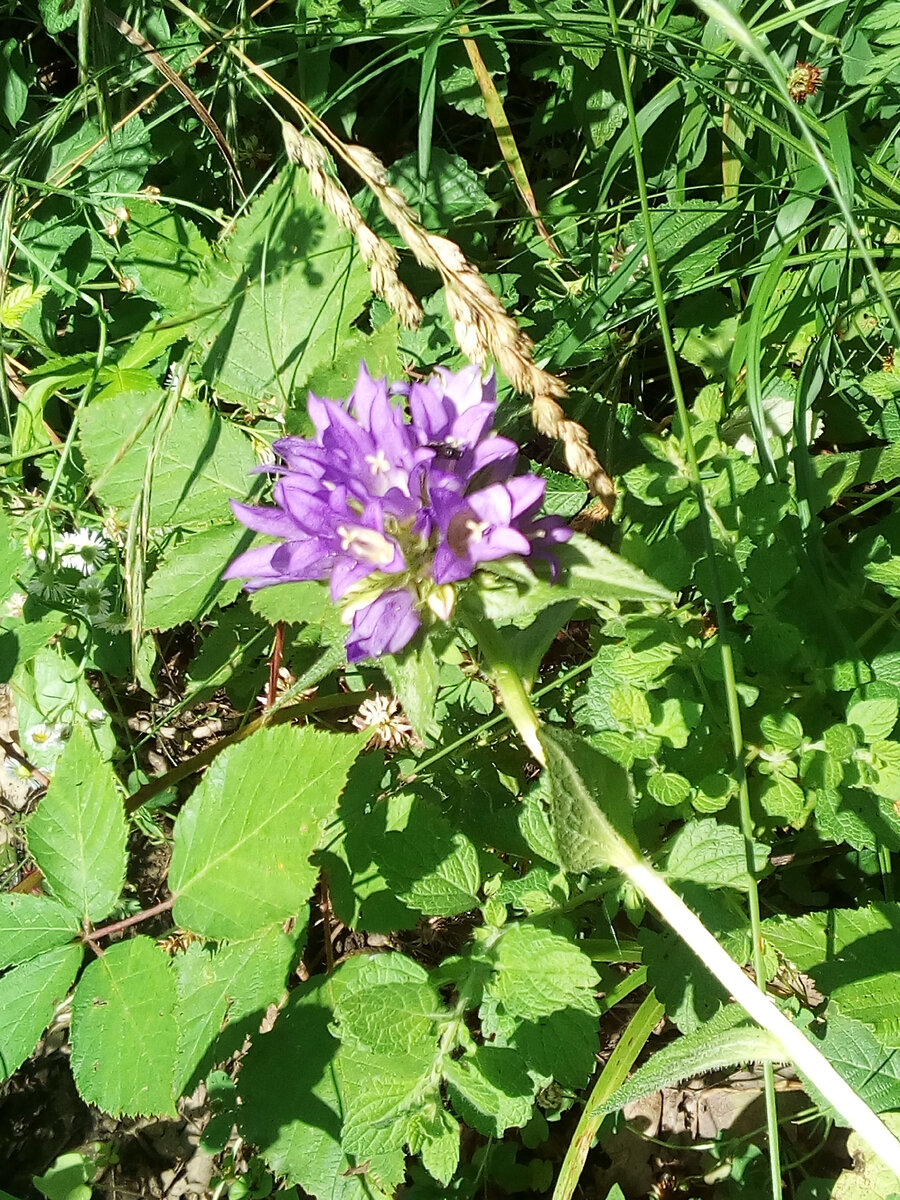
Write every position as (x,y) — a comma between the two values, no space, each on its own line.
(732,700)
(613,1075)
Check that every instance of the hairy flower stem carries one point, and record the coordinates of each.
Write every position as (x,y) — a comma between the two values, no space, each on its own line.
(732,699)
(652,885)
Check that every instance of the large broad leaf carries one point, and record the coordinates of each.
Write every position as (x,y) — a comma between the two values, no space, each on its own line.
(280,299)
(163,255)
(871,1069)
(200,460)
(589,571)
(298,1125)
(590,801)
(538,972)
(124,1036)
(244,839)
(223,993)
(77,836)
(28,996)
(188,581)
(31,925)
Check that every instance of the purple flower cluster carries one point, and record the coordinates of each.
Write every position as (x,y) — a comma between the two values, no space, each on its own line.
(395,503)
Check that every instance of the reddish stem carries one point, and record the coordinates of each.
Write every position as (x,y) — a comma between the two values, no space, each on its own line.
(275,664)
(117,926)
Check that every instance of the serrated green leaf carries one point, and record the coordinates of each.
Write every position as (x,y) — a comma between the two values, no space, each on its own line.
(225,984)
(871,1068)
(588,571)
(18,301)
(391,1019)
(163,255)
(876,718)
(200,463)
(782,729)
(77,835)
(727,1039)
(426,863)
(28,997)
(244,839)
(802,940)
(590,802)
(713,854)
(668,788)
(188,581)
(279,299)
(298,1127)
(436,1140)
(491,1090)
(124,1037)
(31,925)
(537,972)
(785,801)
(854,816)
(565,495)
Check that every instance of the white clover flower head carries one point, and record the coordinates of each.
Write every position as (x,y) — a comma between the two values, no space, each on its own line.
(15,604)
(383,716)
(92,600)
(83,550)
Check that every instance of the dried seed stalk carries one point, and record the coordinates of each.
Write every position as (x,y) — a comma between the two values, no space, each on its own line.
(483,326)
(379,256)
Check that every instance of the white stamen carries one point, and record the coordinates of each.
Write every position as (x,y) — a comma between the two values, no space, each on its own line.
(367,544)
(378,463)
(477,529)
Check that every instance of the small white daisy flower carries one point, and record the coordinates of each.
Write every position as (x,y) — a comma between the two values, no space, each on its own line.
(15,605)
(46,737)
(84,550)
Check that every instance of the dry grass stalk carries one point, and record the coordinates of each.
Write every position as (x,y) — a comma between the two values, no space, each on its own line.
(484,328)
(379,256)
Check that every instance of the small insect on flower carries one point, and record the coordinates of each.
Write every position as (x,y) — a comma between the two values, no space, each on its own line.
(82,550)
(803,81)
(383,717)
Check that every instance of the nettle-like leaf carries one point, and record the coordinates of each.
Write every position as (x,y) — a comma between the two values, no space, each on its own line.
(29,995)
(244,839)
(714,854)
(31,925)
(200,463)
(124,1037)
(298,1125)
(871,1068)
(491,1089)
(164,252)
(279,299)
(222,993)
(77,835)
(414,677)
(539,1000)
(58,15)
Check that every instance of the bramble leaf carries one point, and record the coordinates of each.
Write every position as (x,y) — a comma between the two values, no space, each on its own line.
(77,835)
(31,925)
(124,1037)
(244,839)
(219,989)
(28,996)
